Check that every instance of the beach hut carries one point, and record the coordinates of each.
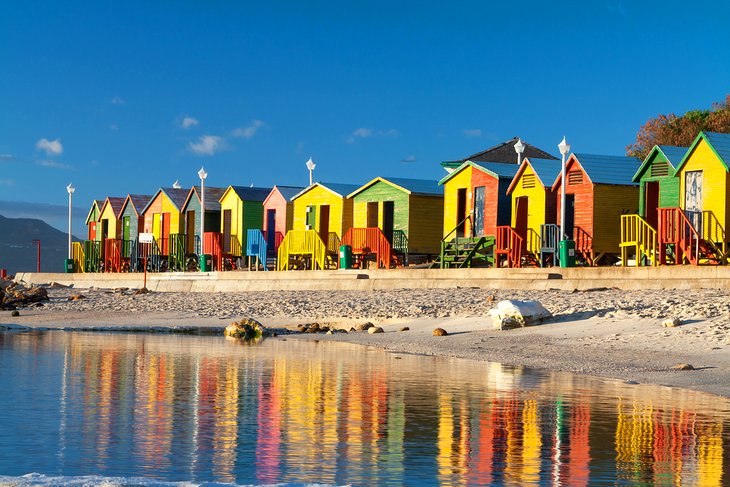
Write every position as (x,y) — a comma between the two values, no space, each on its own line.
(164,219)
(92,219)
(193,237)
(110,229)
(408,213)
(132,222)
(534,206)
(278,215)
(696,229)
(599,190)
(241,210)
(504,153)
(87,254)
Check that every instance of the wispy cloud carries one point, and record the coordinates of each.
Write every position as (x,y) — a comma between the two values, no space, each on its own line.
(410,158)
(6,157)
(51,147)
(248,131)
(53,164)
(364,133)
(300,147)
(473,132)
(117,101)
(207,145)
(113,127)
(7,182)
(188,122)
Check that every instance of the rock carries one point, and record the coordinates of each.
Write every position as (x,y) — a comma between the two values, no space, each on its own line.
(405,328)
(18,296)
(671,322)
(375,329)
(143,290)
(364,326)
(329,332)
(490,298)
(301,328)
(683,367)
(121,289)
(76,297)
(15,312)
(513,314)
(55,284)
(439,332)
(246,328)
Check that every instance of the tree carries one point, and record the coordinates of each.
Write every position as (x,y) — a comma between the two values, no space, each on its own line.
(680,131)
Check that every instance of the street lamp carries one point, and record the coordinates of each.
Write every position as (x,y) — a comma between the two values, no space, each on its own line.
(70,190)
(202,174)
(519,148)
(564,150)
(310,165)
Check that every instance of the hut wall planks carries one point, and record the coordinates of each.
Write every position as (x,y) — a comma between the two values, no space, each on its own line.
(451,190)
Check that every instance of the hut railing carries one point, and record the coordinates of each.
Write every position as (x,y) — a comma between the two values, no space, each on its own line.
(92,255)
(214,246)
(638,234)
(177,243)
(77,254)
(256,246)
(400,242)
(304,243)
(549,241)
(232,246)
(676,229)
(278,238)
(149,254)
(509,245)
(333,243)
(112,255)
(370,240)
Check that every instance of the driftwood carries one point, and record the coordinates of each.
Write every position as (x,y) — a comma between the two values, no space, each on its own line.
(13,296)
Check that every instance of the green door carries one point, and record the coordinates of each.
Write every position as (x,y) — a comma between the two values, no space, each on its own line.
(125,228)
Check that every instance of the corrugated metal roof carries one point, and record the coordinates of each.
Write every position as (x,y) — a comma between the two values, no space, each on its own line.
(546,169)
(609,169)
(673,154)
(721,144)
(247,193)
(340,188)
(501,169)
(212,197)
(288,192)
(177,196)
(418,186)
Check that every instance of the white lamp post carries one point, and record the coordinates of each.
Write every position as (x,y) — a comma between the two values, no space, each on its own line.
(310,165)
(564,150)
(519,148)
(202,174)
(70,188)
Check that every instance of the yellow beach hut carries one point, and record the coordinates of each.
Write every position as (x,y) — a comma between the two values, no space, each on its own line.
(110,229)
(164,219)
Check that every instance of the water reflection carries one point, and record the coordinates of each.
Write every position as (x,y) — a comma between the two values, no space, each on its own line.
(207,409)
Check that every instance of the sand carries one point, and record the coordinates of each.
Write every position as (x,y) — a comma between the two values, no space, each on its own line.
(603,332)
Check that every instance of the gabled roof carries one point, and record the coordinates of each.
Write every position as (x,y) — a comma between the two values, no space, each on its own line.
(176,195)
(138,202)
(545,170)
(339,189)
(719,143)
(601,169)
(248,193)
(94,203)
(286,192)
(671,153)
(115,203)
(495,169)
(504,153)
(428,187)
(213,196)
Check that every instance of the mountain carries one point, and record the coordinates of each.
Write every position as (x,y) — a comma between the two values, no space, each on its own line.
(19,253)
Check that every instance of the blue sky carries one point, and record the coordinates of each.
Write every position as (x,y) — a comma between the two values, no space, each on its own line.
(125,97)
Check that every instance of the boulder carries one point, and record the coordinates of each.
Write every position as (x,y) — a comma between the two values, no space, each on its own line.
(405,328)
(375,329)
(364,326)
(439,332)
(246,328)
(18,296)
(671,322)
(514,314)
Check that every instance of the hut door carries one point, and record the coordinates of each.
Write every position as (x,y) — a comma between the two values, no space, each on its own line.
(227,231)
(521,218)
(190,231)
(388,219)
(165,217)
(104,229)
(372,215)
(693,198)
(125,228)
(479,211)
(270,231)
(651,203)
(92,230)
(569,215)
(460,212)
(324,223)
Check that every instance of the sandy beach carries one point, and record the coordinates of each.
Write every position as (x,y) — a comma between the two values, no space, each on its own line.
(602,332)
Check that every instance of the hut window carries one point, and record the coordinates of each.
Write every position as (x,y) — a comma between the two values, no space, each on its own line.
(575,178)
(659,169)
(528,181)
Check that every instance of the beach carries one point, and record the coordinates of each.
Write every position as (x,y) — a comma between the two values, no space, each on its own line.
(601,332)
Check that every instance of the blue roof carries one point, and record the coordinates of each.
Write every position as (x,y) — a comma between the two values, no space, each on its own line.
(721,144)
(339,188)
(418,186)
(247,193)
(288,192)
(546,169)
(673,154)
(501,169)
(609,169)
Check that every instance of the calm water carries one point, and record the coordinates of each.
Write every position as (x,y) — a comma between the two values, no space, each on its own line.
(204,409)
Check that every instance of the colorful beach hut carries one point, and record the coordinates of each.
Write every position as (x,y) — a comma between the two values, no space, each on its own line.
(164,219)
(534,207)
(132,222)
(599,190)
(192,211)
(278,215)
(110,229)
(408,212)
(92,219)
(241,210)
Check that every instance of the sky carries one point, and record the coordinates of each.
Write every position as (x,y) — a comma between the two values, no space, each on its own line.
(128,96)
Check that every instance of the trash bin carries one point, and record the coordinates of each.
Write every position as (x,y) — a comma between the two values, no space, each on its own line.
(566,249)
(345,257)
(69,265)
(206,262)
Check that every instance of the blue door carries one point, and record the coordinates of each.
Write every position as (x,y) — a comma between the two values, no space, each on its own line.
(271,231)
(479,211)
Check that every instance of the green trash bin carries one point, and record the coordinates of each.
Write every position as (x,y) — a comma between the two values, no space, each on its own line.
(566,249)
(206,262)
(345,257)
(69,266)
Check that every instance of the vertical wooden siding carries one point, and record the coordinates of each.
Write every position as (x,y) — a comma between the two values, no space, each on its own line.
(612,201)
(340,219)
(583,200)
(133,220)
(154,207)
(425,224)
(451,190)
(253,218)
(668,186)
(378,193)
(113,224)
(493,199)
(536,206)
(283,209)
(231,201)
(714,181)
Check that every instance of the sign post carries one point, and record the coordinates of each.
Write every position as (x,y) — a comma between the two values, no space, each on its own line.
(149,239)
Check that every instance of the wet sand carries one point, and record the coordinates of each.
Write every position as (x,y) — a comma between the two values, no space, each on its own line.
(603,332)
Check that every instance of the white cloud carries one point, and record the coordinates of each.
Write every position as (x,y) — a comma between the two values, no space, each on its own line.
(364,133)
(52,147)
(473,132)
(53,164)
(117,101)
(249,131)
(188,122)
(207,145)
(410,158)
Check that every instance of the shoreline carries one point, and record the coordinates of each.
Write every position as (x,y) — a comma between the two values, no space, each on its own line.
(606,333)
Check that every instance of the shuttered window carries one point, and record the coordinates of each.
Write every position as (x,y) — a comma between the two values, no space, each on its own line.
(575,178)
(659,169)
(528,181)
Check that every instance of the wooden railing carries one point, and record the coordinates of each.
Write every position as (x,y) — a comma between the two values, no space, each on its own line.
(676,229)
(304,243)
(92,256)
(77,254)
(549,240)
(333,243)
(146,254)
(214,246)
(638,234)
(232,246)
(370,240)
(400,242)
(176,252)
(278,238)
(509,245)
(112,255)
(256,246)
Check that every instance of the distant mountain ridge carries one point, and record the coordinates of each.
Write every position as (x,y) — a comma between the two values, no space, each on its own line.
(18,252)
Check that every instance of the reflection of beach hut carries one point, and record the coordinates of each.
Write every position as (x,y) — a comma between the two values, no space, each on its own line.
(163,218)
(278,215)
(599,190)
(534,205)
(241,210)
(409,212)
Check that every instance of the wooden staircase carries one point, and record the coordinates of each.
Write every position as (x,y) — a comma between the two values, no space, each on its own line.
(637,234)
(460,252)
(509,247)
(680,241)
(367,242)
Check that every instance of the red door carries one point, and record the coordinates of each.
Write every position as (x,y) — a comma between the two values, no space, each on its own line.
(651,201)
(521,219)
(92,231)
(165,232)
